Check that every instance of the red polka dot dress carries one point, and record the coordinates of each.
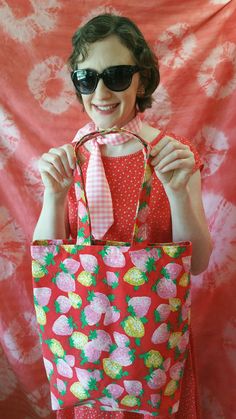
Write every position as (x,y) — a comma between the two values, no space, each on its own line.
(124,175)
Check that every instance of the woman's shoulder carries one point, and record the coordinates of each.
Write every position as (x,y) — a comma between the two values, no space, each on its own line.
(149,133)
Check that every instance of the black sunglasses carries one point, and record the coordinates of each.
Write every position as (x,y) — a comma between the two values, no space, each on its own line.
(116,78)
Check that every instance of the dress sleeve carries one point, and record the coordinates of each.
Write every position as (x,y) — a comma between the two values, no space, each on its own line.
(198,162)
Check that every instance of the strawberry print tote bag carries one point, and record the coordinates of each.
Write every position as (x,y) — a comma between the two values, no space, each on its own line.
(113,317)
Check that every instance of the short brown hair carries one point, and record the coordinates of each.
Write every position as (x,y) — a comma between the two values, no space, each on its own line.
(107,24)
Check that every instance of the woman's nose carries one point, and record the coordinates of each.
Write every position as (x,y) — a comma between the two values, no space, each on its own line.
(101,90)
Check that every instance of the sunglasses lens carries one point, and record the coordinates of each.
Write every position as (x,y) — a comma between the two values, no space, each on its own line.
(118,78)
(85,81)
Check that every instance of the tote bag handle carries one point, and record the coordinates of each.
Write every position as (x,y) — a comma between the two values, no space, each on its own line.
(140,233)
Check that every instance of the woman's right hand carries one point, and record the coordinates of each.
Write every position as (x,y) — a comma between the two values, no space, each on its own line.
(56,169)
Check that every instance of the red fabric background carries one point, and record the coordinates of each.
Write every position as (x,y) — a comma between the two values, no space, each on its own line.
(196,44)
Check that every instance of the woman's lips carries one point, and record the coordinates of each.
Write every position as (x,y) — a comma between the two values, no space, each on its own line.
(106,109)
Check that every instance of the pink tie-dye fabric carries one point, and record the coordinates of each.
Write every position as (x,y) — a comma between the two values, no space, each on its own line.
(196,45)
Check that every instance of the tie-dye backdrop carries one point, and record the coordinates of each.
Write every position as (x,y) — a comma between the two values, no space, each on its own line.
(196,44)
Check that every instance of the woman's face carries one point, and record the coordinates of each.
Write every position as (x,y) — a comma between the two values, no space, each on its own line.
(105,107)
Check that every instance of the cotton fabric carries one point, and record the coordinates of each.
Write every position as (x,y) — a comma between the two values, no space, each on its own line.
(124,174)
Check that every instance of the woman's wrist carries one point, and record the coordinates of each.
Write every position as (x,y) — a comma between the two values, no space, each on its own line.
(55,197)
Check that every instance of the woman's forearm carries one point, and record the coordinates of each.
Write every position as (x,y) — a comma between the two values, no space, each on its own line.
(188,223)
(52,220)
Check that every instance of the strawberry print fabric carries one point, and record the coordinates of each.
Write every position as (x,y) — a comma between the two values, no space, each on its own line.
(138,349)
(196,99)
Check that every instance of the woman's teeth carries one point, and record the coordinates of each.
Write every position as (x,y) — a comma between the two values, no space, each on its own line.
(106,108)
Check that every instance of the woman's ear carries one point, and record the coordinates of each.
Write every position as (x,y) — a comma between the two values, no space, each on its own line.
(141,90)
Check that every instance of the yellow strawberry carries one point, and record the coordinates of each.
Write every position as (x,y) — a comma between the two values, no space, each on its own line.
(133,327)
(184,280)
(130,401)
(153,359)
(75,299)
(135,276)
(174,339)
(112,368)
(85,278)
(148,174)
(172,251)
(38,271)
(41,316)
(79,391)
(68,248)
(78,340)
(55,347)
(175,304)
(171,388)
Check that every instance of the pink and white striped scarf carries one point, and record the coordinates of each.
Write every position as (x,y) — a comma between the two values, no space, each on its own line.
(97,188)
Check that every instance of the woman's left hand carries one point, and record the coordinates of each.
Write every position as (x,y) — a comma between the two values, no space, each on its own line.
(173,162)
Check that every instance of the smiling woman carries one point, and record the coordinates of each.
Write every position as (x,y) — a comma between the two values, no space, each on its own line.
(115,73)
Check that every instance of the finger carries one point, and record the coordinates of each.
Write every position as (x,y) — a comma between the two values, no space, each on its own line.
(184,164)
(169,148)
(58,157)
(50,161)
(71,156)
(46,168)
(172,156)
(163,143)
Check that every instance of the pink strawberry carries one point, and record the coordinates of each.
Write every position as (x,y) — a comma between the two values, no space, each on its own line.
(166,288)
(166,364)
(82,212)
(139,305)
(63,326)
(62,304)
(70,359)
(61,386)
(143,232)
(112,279)
(42,295)
(113,257)
(111,316)
(90,353)
(185,311)
(89,316)
(48,367)
(161,334)
(155,400)
(97,374)
(143,213)
(101,339)
(54,402)
(156,379)
(86,378)
(108,401)
(78,191)
(44,255)
(114,390)
(63,368)
(171,270)
(124,356)
(176,371)
(70,265)
(89,263)
(121,339)
(186,263)
(143,260)
(162,312)
(133,387)
(65,282)
(184,341)
(99,301)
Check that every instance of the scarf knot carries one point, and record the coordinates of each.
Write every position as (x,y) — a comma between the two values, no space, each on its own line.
(97,188)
